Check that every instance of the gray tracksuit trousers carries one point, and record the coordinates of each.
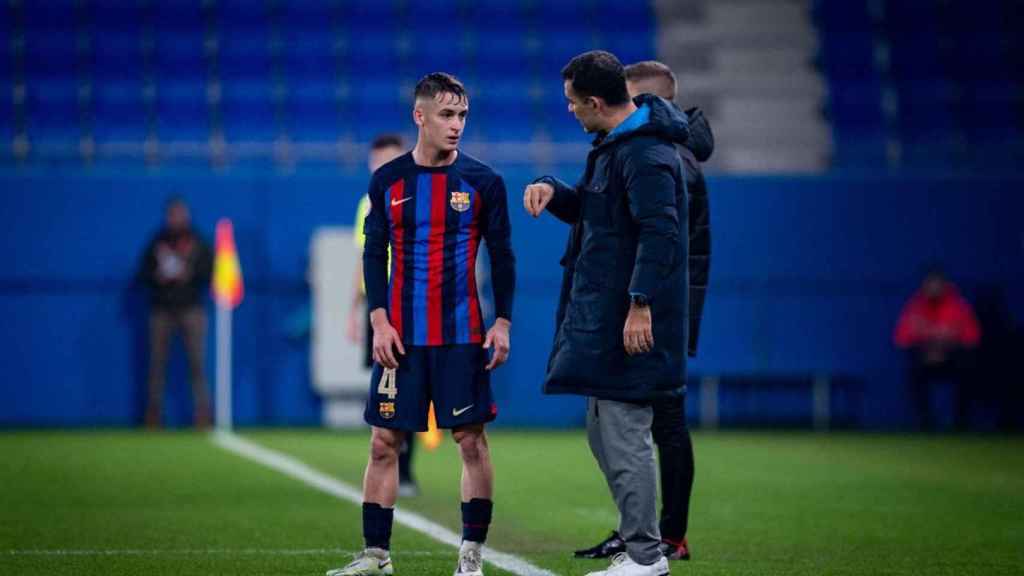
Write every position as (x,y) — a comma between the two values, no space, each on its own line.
(619,434)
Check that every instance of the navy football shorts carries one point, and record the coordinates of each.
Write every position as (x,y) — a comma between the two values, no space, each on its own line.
(453,377)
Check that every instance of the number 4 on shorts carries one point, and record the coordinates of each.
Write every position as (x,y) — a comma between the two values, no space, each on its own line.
(388,385)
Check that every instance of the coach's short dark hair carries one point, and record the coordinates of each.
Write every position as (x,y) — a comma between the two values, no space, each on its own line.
(653,70)
(598,73)
(387,141)
(439,83)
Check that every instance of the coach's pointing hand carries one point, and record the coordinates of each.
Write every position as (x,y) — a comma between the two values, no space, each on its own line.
(497,337)
(536,198)
(384,338)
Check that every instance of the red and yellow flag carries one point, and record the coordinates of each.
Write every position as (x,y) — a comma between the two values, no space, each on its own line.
(431,439)
(227,273)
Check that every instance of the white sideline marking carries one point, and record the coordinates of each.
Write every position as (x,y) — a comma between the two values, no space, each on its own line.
(203,552)
(307,475)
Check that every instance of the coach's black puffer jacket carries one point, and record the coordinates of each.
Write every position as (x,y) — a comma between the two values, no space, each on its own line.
(629,217)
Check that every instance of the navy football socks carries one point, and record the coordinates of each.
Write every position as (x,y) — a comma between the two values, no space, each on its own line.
(377,525)
(476,519)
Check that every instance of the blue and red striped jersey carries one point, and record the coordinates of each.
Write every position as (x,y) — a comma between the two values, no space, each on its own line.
(434,219)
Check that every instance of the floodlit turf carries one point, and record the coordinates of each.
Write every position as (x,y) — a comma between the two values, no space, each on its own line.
(159,504)
(764,503)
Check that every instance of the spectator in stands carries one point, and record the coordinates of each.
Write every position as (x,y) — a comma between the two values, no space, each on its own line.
(176,266)
(385,148)
(939,330)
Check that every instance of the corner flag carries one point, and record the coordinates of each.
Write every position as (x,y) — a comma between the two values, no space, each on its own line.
(227,293)
(227,273)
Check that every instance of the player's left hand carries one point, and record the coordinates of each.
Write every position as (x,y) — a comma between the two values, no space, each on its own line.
(497,337)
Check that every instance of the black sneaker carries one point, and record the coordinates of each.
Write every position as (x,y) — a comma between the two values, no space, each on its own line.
(611,546)
(675,550)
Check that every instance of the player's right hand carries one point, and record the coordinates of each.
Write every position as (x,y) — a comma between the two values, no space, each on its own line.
(536,198)
(385,341)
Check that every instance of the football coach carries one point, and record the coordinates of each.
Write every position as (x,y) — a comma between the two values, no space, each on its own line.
(621,338)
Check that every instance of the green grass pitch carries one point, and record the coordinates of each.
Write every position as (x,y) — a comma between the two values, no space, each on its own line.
(130,503)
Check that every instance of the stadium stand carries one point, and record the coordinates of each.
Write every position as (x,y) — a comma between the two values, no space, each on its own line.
(904,85)
(922,84)
(189,77)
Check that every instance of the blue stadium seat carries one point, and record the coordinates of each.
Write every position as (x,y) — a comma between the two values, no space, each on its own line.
(849,56)
(372,51)
(857,105)
(362,14)
(314,112)
(434,50)
(554,117)
(309,16)
(116,17)
(240,15)
(6,49)
(567,15)
(501,51)
(6,116)
(53,112)
(58,16)
(927,109)
(181,53)
(51,54)
(441,15)
(503,119)
(311,56)
(182,110)
(839,17)
(117,56)
(378,106)
(992,112)
(119,112)
(183,15)
(631,46)
(615,16)
(249,111)
(557,49)
(245,55)
(497,17)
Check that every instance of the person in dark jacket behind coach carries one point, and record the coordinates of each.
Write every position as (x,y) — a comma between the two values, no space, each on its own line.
(675,448)
(622,328)
(176,266)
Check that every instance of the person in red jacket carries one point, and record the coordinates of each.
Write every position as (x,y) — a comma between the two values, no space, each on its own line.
(939,330)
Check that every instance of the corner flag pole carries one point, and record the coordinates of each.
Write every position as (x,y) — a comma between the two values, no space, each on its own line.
(223,382)
(227,293)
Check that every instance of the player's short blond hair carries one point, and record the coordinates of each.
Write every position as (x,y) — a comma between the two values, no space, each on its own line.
(656,71)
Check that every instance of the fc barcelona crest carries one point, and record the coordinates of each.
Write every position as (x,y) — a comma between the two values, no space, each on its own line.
(387,410)
(460,201)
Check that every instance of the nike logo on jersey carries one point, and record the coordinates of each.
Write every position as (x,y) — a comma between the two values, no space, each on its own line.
(396,202)
(460,411)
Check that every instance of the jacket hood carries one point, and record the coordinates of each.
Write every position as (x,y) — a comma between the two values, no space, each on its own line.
(660,118)
(701,141)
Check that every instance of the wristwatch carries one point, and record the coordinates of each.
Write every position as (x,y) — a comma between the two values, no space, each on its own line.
(638,300)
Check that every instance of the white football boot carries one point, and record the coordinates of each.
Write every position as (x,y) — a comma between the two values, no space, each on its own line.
(471,562)
(369,562)
(623,565)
